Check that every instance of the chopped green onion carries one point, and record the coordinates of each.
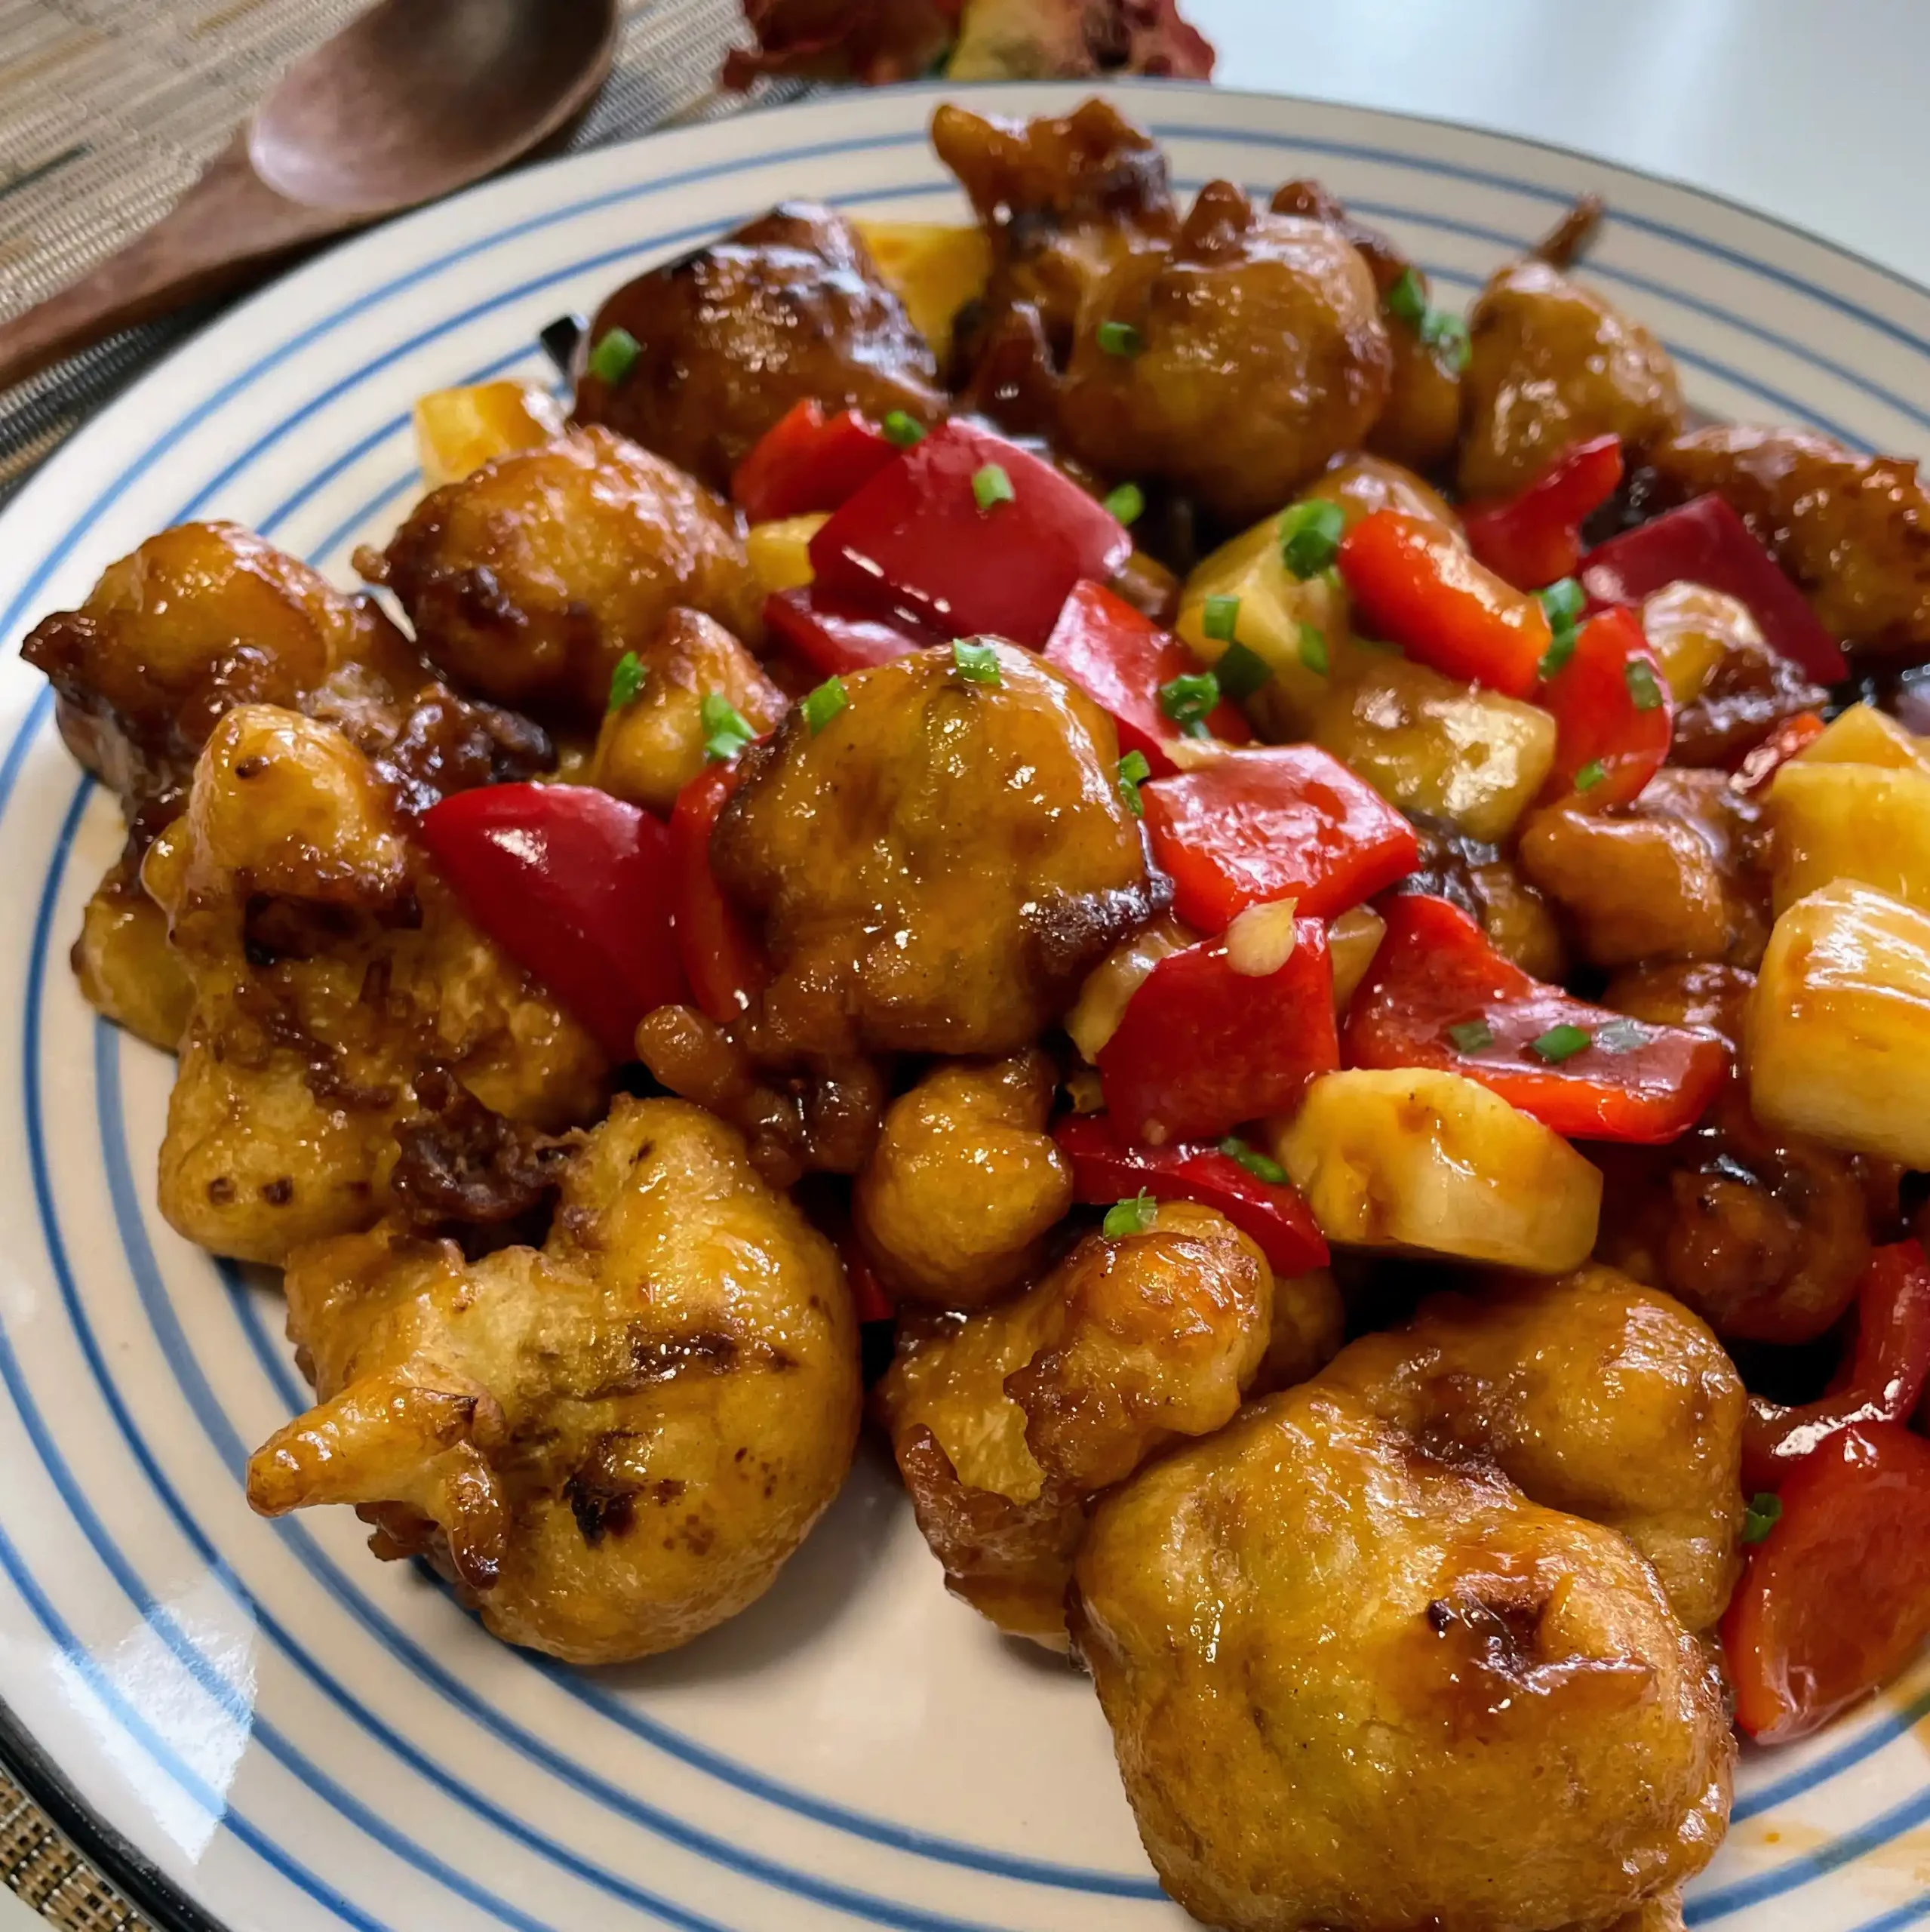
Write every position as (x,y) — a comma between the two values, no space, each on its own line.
(1763,1512)
(1471,1036)
(1623,1036)
(1443,330)
(1120,339)
(1219,618)
(1313,649)
(1590,775)
(1554,660)
(1130,1217)
(626,681)
(1310,534)
(976,661)
(1564,602)
(1406,301)
(615,356)
(822,705)
(902,429)
(1642,685)
(1261,1167)
(1133,772)
(726,731)
(991,487)
(1187,700)
(1560,1043)
(1241,671)
(1128,503)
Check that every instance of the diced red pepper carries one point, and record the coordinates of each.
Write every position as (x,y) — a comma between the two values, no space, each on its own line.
(1201,1047)
(1836,1601)
(575,886)
(720,955)
(917,538)
(1414,584)
(1534,539)
(1285,822)
(1435,974)
(1119,657)
(1763,762)
(1614,714)
(808,461)
(867,1296)
(1106,1169)
(1883,1379)
(1705,542)
(833,635)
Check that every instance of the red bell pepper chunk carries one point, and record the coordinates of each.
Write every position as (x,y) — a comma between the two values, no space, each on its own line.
(1882,1381)
(868,1298)
(1614,714)
(807,461)
(1119,657)
(575,886)
(917,538)
(1201,1047)
(833,635)
(1285,822)
(1106,1169)
(1534,539)
(1761,762)
(1705,542)
(1438,995)
(1836,1601)
(1416,586)
(720,956)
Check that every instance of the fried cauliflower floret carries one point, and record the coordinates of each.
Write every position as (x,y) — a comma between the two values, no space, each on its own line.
(1594,1396)
(1261,355)
(1008,1424)
(614,1443)
(1309,1326)
(1356,1687)
(955,1201)
(1553,363)
(126,970)
(1854,530)
(936,870)
(529,578)
(330,969)
(651,747)
(788,309)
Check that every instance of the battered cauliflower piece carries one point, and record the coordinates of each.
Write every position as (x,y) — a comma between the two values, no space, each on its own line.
(1355,1687)
(965,1183)
(126,970)
(330,969)
(1594,1396)
(1309,1326)
(1008,1424)
(1553,363)
(529,578)
(788,309)
(937,870)
(614,1443)
(1262,355)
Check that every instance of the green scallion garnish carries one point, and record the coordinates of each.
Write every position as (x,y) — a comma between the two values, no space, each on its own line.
(1762,1513)
(726,731)
(1310,534)
(902,429)
(990,487)
(1564,601)
(1188,699)
(1471,1036)
(1133,1217)
(1443,331)
(1590,775)
(1554,660)
(1120,339)
(614,357)
(1406,301)
(1133,772)
(1560,1043)
(1313,649)
(1219,618)
(821,706)
(1127,503)
(974,660)
(1646,692)
(1241,671)
(626,681)
(1261,1167)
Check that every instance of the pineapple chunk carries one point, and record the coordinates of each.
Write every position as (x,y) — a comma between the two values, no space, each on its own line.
(1863,735)
(1865,822)
(1431,1162)
(1101,1005)
(457,431)
(780,552)
(1352,941)
(1837,1038)
(1692,628)
(933,269)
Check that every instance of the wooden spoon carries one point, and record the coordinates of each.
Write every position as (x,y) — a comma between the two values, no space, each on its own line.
(411,101)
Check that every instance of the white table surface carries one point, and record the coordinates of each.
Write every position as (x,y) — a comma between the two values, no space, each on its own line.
(1789,105)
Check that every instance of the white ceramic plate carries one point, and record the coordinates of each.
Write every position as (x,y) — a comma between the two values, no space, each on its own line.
(281,1734)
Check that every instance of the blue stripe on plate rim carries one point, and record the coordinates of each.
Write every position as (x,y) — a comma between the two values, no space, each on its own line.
(1829,1857)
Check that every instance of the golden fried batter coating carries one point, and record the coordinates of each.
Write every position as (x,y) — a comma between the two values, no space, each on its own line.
(1263,355)
(126,968)
(1309,1326)
(1554,364)
(1594,1396)
(1009,1422)
(1515,916)
(936,870)
(330,969)
(954,1204)
(649,749)
(1853,530)
(614,1442)
(1357,1688)
(528,579)
(790,308)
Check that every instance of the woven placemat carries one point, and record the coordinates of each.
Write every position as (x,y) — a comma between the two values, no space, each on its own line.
(41,1865)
